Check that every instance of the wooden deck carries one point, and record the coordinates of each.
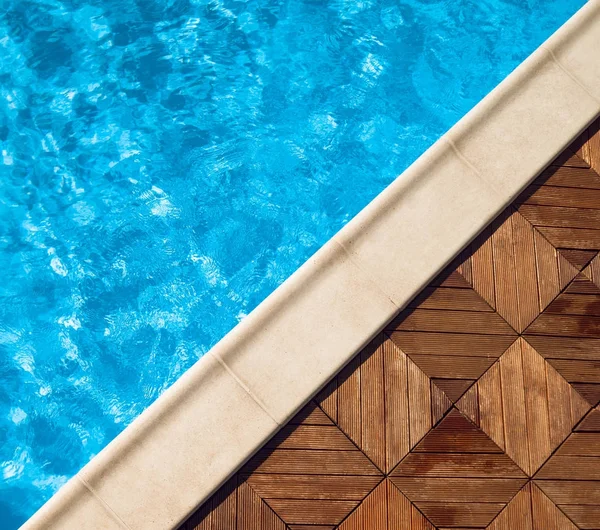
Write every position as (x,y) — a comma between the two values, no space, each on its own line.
(477,406)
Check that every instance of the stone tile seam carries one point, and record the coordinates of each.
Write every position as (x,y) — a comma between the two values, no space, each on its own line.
(568,72)
(503,203)
(104,504)
(355,261)
(245,387)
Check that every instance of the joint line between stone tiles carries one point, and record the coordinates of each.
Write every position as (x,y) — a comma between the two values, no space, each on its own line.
(568,72)
(101,500)
(371,279)
(468,163)
(245,387)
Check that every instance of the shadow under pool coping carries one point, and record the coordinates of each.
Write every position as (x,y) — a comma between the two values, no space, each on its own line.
(223,409)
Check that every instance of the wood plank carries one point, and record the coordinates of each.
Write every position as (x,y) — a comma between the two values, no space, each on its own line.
(568,159)
(471,514)
(526,271)
(582,285)
(576,304)
(279,486)
(458,465)
(559,404)
(374,509)
(584,516)
(328,398)
(579,258)
(422,489)
(566,271)
(479,322)
(440,404)
(589,391)
(468,404)
(444,298)
(249,514)
(452,366)
(372,405)
(299,511)
(505,276)
(581,444)
(419,343)
(513,400)
(310,462)
(591,148)
(482,266)
(578,238)
(311,415)
(453,388)
(570,177)
(565,325)
(386,508)
(349,411)
(269,520)
(547,270)
(571,467)
(464,267)
(536,406)
(517,514)
(577,370)
(579,406)
(565,347)
(591,423)
(310,437)
(564,197)
(451,278)
(399,508)
(310,527)
(419,399)
(456,434)
(571,491)
(396,400)
(546,514)
(557,216)
(491,413)
(419,522)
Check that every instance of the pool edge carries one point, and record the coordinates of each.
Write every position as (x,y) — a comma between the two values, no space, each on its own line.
(260,374)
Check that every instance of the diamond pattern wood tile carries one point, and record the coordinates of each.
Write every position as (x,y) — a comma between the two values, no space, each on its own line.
(524,405)
(571,477)
(477,407)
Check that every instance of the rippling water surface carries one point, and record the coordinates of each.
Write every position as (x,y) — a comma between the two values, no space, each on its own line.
(166,164)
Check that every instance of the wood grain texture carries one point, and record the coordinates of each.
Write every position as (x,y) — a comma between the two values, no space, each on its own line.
(457,476)
(526,406)
(530,509)
(453,345)
(386,508)
(522,269)
(393,402)
(571,477)
(477,406)
(590,146)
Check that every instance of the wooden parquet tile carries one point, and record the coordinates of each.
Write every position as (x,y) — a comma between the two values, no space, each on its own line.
(478,406)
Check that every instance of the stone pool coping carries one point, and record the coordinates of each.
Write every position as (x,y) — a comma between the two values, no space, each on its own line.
(224,408)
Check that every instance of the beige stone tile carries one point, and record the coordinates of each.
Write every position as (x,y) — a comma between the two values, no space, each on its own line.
(576,46)
(74,507)
(511,136)
(177,454)
(410,231)
(290,346)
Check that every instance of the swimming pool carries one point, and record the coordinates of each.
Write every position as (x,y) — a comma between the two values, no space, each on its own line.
(165,165)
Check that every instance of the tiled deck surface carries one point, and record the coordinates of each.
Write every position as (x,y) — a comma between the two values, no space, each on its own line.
(477,406)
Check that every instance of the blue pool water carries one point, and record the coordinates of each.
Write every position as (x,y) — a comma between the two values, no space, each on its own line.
(166,164)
